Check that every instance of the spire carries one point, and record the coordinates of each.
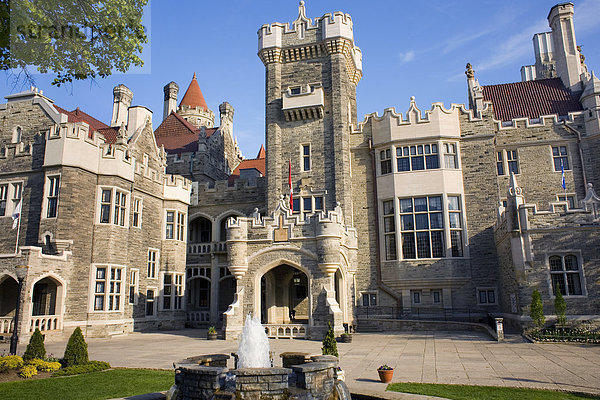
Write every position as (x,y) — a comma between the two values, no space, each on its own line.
(193,96)
(261,153)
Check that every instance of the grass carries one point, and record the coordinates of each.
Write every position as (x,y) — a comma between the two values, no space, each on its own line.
(465,392)
(93,386)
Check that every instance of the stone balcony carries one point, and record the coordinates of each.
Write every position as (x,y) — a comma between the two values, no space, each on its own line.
(207,248)
(303,103)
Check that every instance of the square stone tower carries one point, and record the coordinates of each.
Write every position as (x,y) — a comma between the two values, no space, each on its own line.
(312,69)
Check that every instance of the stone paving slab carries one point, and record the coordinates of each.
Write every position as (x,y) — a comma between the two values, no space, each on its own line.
(426,357)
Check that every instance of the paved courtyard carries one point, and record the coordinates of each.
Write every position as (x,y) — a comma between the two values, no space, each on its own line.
(433,357)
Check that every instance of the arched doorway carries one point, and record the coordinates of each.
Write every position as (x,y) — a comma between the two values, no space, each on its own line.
(8,302)
(284,296)
(200,230)
(44,297)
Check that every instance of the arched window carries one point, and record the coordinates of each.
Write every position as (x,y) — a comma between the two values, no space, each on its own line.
(17,135)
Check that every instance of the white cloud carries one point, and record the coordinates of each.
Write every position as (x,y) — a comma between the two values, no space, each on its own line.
(407,57)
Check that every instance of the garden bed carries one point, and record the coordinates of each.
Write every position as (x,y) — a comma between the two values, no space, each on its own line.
(563,335)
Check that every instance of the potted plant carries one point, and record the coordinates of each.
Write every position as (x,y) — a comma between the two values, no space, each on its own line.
(385,373)
(212,333)
(346,338)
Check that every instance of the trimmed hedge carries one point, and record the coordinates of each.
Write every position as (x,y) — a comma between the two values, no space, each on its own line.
(91,366)
(76,352)
(35,348)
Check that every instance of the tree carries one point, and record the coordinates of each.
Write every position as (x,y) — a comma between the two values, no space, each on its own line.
(73,39)
(329,343)
(35,348)
(560,307)
(536,311)
(76,352)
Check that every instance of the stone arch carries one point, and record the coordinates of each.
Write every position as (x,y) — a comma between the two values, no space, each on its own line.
(198,293)
(222,221)
(58,292)
(9,286)
(200,228)
(262,272)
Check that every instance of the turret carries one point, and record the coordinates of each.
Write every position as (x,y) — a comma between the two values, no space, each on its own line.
(568,61)
(193,107)
(171,89)
(122,98)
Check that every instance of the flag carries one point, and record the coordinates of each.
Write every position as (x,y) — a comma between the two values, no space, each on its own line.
(562,170)
(290,185)
(16,215)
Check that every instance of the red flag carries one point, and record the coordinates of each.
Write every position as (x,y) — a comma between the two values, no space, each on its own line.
(290,186)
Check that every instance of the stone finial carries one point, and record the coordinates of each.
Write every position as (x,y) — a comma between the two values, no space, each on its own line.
(469,72)
(513,186)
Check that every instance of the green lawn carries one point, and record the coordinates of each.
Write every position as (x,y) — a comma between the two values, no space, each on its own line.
(93,386)
(464,392)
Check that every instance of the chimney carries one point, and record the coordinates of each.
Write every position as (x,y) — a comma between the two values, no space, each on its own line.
(566,55)
(122,97)
(171,89)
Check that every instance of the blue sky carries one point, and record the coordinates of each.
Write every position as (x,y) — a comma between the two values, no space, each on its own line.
(409,49)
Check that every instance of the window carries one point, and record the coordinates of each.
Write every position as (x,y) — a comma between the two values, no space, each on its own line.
(385,159)
(133,285)
(500,163)
(295,90)
(296,205)
(561,158)
(507,160)
(307,206)
(149,302)
(152,263)
(306,157)
(169,228)
(17,135)
(115,201)
(569,198)
(389,230)
(450,158)
(3,197)
(17,193)
(416,297)
(565,275)
(437,296)
(417,157)
(486,296)
(422,227)
(455,222)
(52,204)
(181,227)
(318,203)
(369,299)
(137,212)
(107,290)
(172,291)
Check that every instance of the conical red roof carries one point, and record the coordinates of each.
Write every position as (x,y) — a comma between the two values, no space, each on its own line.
(261,153)
(193,96)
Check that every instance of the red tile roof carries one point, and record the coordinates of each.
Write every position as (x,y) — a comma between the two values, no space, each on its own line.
(79,116)
(193,96)
(178,135)
(110,134)
(530,99)
(257,163)
(178,144)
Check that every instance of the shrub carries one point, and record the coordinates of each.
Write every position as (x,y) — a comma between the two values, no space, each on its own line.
(11,362)
(44,366)
(91,366)
(76,352)
(35,348)
(536,311)
(329,344)
(560,307)
(27,371)
(212,330)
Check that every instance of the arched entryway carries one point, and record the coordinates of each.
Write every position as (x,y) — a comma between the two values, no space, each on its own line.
(200,230)
(8,302)
(46,304)
(284,296)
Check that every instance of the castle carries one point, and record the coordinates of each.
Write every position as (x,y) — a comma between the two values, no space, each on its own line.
(466,209)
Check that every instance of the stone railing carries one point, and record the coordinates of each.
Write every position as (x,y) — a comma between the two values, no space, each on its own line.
(286,330)
(198,316)
(46,323)
(207,248)
(6,324)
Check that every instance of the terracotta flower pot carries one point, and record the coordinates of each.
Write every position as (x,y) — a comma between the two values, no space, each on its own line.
(385,375)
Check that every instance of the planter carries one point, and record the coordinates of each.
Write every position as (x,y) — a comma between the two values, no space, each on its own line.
(346,339)
(385,375)
(211,336)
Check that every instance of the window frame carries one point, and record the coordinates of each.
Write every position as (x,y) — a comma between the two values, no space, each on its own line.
(560,156)
(107,295)
(564,272)
(177,291)
(370,296)
(122,219)
(507,163)
(426,154)
(385,158)
(134,282)
(49,193)
(152,301)
(300,200)
(487,290)
(571,199)
(177,228)
(155,263)
(389,242)
(137,206)
(4,199)
(305,158)
(450,155)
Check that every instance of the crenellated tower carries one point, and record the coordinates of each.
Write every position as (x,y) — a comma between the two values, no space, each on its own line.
(312,68)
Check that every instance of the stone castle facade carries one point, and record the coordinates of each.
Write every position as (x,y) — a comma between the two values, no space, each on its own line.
(442,212)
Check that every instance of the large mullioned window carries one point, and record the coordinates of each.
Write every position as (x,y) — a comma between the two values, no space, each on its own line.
(108,288)
(389,229)
(416,158)
(565,275)
(113,207)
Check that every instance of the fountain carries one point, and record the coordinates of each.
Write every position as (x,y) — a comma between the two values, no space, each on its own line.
(253,351)
(207,377)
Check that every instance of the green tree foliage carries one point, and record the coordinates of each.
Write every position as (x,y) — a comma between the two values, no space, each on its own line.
(76,352)
(35,348)
(329,343)
(73,39)
(560,306)
(536,311)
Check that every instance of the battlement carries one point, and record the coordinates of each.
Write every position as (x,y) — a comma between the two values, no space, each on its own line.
(543,120)
(242,191)
(178,188)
